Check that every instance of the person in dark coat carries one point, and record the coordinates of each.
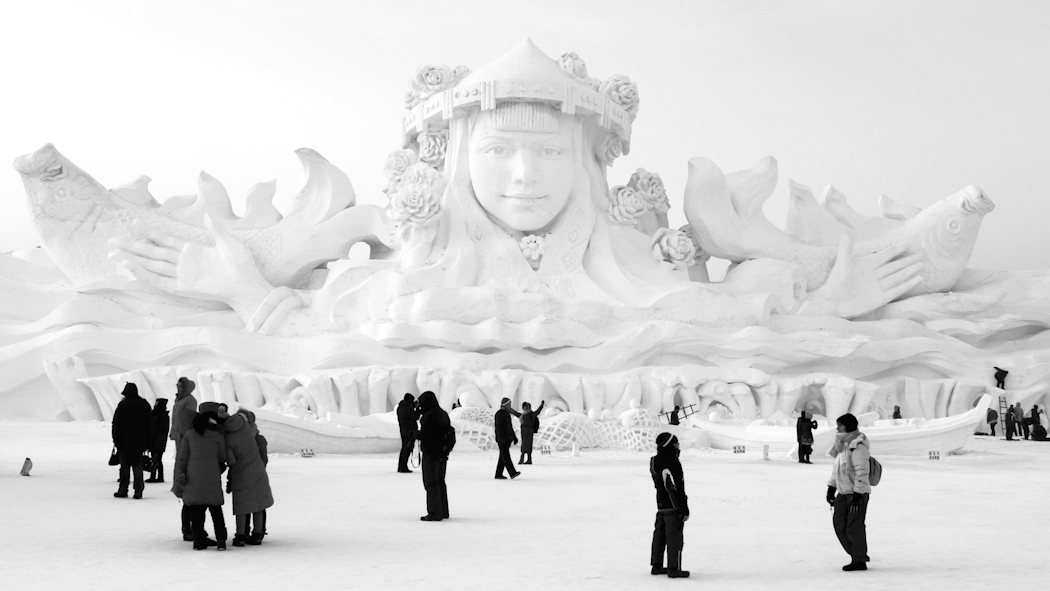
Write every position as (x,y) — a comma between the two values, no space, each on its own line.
(672,419)
(158,439)
(1000,377)
(1035,416)
(530,424)
(1019,418)
(1011,423)
(406,421)
(131,430)
(672,507)
(434,424)
(896,412)
(804,434)
(992,417)
(199,465)
(247,479)
(262,445)
(505,437)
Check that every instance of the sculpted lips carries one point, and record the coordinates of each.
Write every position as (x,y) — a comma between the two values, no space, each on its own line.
(524,196)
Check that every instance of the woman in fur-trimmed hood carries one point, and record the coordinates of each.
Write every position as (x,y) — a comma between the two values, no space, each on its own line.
(248,480)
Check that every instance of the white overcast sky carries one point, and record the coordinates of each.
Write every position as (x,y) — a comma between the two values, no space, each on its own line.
(912,99)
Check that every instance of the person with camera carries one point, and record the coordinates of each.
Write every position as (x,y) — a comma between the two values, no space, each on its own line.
(672,507)
(407,415)
(804,435)
(434,426)
(849,478)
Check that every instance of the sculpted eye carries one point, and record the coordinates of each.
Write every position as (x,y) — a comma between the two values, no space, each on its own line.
(953,226)
(497,150)
(550,152)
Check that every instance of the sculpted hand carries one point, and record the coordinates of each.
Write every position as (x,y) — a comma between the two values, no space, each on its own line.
(225,272)
(859,284)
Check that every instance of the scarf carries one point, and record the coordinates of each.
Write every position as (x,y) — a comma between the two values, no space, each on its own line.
(842,440)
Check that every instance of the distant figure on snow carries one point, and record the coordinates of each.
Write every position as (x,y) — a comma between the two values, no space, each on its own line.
(505,437)
(159,422)
(804,434)
(849,477)
(1000,378)
(131,425)
(199,465)
(672,507)
(992,418)
(1011,423)
(530,424)
(434,427)
(248,481)
(1019,418)
(896,412)
(406,422)
(672,419)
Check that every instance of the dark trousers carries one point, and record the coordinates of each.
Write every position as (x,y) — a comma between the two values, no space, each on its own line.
(434,483)
(667,534)
(1011,430)
(1001,384)
(1024,427)
(187,523)
(407,442)
(157,470)
(244,524)
(504,460)
(992,425)
(849,527)
(804,451)
(130,463)
(197,520)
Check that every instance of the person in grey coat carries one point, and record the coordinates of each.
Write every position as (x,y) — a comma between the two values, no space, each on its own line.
(182,412)
(530,424)
(248,480)
(199,465)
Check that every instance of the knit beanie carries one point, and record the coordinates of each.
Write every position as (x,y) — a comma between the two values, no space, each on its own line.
(666,440)
(504,402)
(848,421)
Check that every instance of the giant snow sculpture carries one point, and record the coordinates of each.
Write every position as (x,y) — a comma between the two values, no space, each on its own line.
(504,264)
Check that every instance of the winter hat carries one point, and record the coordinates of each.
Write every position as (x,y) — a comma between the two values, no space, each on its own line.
(208,407)
(409,397)
(130,390)
(504,402)
(189,384)
(665,439)
(848,421)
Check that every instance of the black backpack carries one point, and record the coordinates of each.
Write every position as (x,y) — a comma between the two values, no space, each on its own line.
(449,440)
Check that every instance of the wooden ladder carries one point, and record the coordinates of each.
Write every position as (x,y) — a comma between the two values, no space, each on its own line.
(1002,414)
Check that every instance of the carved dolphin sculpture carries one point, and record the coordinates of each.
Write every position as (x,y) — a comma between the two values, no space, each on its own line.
(76,217)
(725,212)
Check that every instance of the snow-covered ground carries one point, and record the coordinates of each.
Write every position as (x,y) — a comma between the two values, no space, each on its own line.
(977,520)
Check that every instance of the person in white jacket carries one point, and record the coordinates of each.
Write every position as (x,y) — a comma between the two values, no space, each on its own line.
(849,478)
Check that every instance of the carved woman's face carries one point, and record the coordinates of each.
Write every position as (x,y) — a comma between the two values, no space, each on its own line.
(522,178)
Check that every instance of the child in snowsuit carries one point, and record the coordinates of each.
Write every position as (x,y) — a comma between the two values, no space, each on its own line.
(672,507)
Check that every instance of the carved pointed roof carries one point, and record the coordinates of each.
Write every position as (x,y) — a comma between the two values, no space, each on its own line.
(524,62)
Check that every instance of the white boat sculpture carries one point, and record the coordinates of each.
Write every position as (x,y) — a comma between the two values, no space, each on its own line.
(888,437)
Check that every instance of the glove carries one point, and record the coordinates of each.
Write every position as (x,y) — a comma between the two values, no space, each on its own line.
(515,441)
(831,495)
(229,486)
(685,514)
(854,503)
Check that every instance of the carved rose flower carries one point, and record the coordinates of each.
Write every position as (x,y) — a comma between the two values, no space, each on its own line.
(610,150)
(395,165)
(621,91)
(460,72)
(531,246)
(432,78)
(625,205)
(417,197)
(571,63)
(701,254)
(651,187)
(432,145)
(673,246)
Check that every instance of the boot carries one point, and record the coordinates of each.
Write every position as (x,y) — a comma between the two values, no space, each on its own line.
(521,460)
(121,494)
(221,545)
(254,540)
(137,495)
(658,570)
(855,566)
(677,574)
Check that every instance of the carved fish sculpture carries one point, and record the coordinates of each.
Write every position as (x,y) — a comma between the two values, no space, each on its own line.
(76,217)
(725,212)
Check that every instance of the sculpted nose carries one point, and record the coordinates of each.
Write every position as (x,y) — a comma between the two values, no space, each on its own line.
(521,174)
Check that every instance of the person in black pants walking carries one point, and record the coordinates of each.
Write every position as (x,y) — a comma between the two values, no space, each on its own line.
(804,434)
(505,437)
(434,426)
(406,421)
(672,507)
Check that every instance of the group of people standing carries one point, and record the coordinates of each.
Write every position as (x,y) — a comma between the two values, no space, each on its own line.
(1020,423)
(208,440)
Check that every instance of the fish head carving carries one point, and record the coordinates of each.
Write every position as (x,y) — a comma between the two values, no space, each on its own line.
(57,189)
